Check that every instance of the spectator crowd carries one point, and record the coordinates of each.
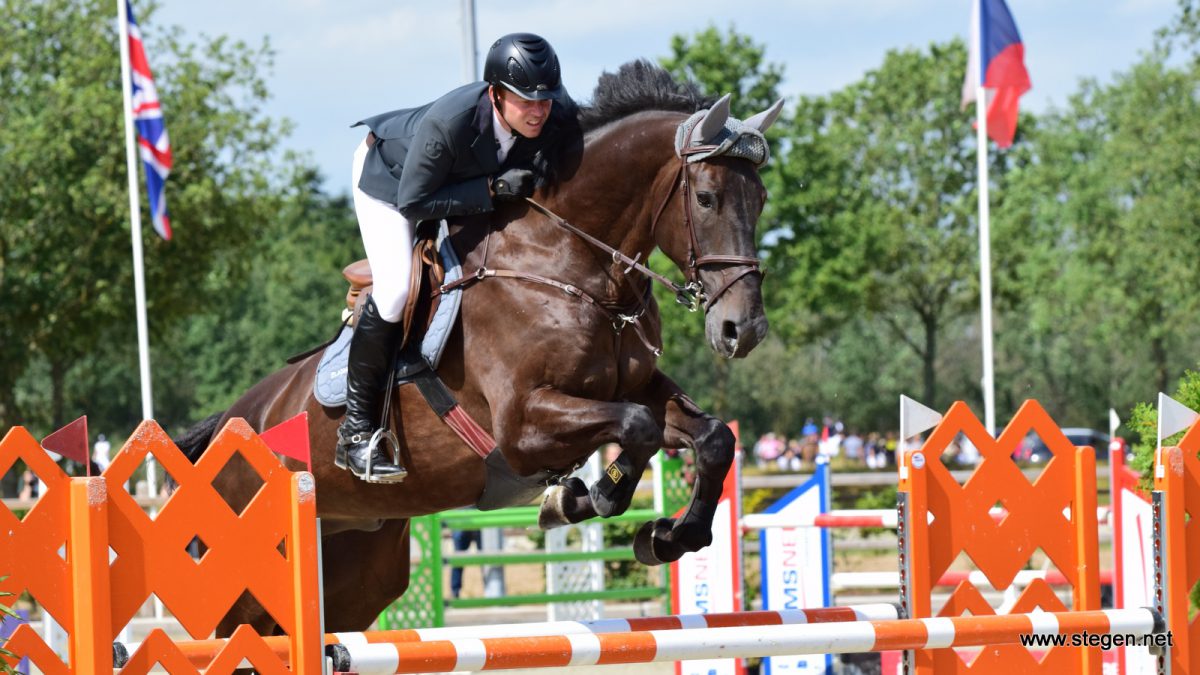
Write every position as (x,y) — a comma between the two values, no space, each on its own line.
(873,450)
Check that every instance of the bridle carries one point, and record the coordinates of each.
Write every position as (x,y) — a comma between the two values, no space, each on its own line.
(694,289)
(692,294)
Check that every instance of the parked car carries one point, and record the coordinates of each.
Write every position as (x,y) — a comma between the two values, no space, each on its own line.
(1098,440)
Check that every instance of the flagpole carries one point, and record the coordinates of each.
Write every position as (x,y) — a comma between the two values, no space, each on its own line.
(470,72)
(135,233)
(135,239)
(985,245)
(135,215)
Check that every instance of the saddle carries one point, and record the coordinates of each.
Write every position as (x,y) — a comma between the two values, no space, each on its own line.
(428,275)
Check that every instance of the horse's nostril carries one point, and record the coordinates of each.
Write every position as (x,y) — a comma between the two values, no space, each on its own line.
(729,331)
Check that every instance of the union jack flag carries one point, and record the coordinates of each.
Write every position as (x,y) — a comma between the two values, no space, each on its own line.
(153,144)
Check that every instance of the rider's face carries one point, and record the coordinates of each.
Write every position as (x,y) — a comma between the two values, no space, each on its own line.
(523,116)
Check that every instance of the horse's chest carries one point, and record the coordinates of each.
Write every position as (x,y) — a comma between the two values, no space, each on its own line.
(624,369)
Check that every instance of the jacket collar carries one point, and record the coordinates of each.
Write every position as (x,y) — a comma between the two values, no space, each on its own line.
(484,145)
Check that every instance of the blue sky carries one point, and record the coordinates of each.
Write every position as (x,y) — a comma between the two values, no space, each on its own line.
(341,60)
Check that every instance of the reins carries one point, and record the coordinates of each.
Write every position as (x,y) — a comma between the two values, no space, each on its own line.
(691,295)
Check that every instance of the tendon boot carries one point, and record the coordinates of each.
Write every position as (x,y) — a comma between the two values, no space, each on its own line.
(361,445)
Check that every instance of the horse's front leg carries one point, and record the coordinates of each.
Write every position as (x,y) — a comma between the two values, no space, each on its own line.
(667,539)
(553,430)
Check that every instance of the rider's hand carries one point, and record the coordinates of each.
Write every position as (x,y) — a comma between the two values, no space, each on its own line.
(513,185)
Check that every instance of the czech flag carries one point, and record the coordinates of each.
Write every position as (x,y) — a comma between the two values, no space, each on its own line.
(997,58)
(153,144)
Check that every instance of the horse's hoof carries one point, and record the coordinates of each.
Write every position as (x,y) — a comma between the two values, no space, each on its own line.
(559,502)
(552,515)
(651,545)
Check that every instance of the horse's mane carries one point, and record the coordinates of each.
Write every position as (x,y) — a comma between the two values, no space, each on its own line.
(637,86)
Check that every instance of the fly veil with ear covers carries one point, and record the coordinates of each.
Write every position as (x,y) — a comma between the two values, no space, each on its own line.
(712,132)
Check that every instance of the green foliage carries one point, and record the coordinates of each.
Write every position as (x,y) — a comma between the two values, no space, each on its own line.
(5,610)
(289,303)
(1143,421)
(1099,225)
(871,225)
(757,501)
(726,64)
(67,338)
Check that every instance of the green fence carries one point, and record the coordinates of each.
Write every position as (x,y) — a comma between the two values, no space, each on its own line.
(423,605)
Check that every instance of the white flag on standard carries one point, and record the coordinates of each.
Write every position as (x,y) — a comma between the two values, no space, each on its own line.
(916,418)
(1173,417)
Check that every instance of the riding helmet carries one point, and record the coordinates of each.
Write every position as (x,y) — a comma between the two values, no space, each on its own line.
(526,64)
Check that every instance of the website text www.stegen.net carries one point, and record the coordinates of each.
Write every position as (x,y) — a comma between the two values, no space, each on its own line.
(1104,641)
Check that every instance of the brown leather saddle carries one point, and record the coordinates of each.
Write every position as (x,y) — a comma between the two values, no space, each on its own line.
(428,275)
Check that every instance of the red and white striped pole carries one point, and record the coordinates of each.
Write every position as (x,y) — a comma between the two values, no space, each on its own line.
(590,649)
(201,652)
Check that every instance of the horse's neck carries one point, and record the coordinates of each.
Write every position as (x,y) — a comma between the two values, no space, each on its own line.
(621,181)
(613,194)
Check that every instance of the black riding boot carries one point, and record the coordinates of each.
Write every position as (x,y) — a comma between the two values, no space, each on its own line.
(369,370)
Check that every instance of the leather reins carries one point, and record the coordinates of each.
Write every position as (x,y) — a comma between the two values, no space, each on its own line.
(689,294)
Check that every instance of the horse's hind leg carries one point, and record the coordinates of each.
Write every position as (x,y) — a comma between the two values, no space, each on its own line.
(667,539)
(364,573)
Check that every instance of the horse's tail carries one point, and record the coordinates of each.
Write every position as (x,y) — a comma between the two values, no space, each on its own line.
(195,440)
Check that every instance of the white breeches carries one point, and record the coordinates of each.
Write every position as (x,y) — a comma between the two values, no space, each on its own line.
(387,236)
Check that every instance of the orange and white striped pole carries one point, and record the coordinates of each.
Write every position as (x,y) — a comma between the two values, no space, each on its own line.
(201,652)
(590,649)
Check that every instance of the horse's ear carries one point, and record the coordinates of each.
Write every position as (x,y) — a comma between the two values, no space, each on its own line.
(763,120)
(714,121)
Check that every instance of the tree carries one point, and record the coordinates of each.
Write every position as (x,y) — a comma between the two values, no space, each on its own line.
(880,215)
(65,272)
(729,64)
(1110,198)
(290,302)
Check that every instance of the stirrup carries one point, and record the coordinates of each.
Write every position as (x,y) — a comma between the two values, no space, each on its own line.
(384,434)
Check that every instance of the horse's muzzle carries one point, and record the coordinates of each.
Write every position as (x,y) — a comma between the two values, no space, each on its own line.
(736,323)
(735,339)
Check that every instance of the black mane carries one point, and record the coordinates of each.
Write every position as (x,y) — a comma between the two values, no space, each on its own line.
(637,86)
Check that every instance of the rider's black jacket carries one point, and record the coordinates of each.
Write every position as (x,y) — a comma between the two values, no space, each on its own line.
(435,161)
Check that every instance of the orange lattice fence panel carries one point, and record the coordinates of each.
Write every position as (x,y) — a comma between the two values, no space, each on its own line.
(1177,502)
(267,550)
(30,547)
(1056,513)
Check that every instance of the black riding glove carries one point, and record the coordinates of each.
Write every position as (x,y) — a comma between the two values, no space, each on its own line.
(513,185)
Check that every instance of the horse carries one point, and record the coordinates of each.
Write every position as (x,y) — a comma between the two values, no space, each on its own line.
(558,359)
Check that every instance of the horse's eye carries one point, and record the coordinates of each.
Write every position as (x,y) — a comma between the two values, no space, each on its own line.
(706,200)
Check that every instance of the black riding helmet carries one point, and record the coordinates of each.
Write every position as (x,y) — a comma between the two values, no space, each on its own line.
(526,64)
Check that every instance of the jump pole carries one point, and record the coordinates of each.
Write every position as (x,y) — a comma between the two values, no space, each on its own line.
(552,651)
(201,652)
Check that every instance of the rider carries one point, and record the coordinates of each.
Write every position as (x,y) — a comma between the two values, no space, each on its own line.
(481,143)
